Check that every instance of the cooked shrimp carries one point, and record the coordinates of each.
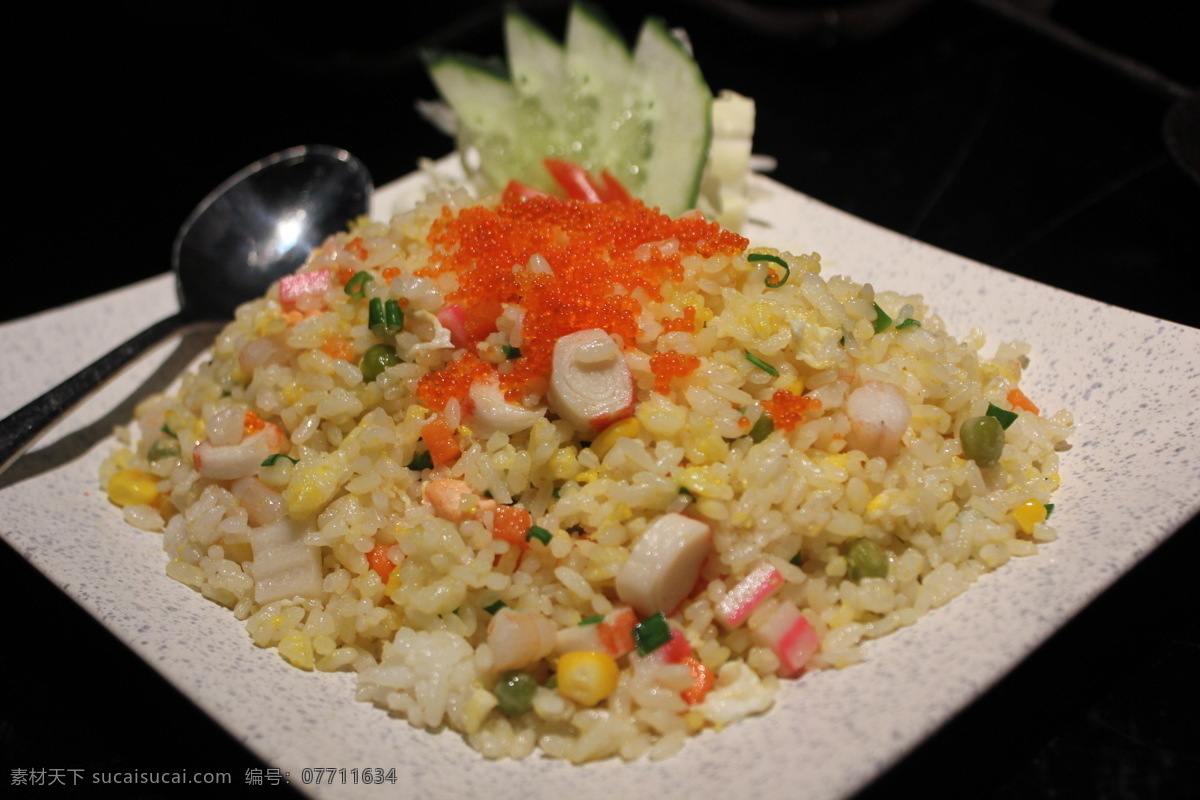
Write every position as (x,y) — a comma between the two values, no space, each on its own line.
(879,416)
(519,638)
(453,499)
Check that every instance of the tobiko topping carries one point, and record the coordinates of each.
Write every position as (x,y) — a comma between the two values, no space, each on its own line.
(597,257)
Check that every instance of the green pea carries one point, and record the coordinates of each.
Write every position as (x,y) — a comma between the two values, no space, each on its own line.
(163,448)
(865,559)
(377,359)
(515,691)
(982,440)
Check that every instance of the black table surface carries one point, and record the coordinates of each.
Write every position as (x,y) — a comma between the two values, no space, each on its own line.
(1027,134)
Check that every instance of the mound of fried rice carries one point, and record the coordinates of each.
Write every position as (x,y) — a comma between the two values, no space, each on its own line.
(333,552)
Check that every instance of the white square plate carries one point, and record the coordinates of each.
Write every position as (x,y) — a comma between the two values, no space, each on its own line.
(1129,481)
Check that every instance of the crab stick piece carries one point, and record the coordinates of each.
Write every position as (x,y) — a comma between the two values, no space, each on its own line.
(284,566)
(590,383)
(613,634)
(491,412)
(790,635)
(313,283)
(233,461)
(749,592)
(664,564)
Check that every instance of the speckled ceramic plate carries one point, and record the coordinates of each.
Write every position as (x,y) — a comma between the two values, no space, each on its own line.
(1084,356)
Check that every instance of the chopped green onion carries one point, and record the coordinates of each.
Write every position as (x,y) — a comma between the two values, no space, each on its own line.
(273,460)
(1006,418)
(882,320)
(798,559)
(496,606)
(762,428)
(764,366)
(384,317)
(651,633)
(1049,509)
(167,430)
(355,286)
(511,352)
(539,533)
(556,492)
(421,461)
(592,620)
(787,271)
(908,323)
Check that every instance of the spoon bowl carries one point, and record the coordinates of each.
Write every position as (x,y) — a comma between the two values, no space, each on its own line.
(257,226)
(262,223)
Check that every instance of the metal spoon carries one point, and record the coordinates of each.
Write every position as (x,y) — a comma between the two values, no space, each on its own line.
(257,226)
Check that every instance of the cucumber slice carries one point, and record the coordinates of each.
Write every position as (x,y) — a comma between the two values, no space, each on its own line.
(606,97)
(536,61)
(678,105)
(486,106)
(642,115)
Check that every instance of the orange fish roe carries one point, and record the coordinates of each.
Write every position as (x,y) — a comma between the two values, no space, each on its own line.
(786,408)
(344,274)
(595,264)
(389,273)
(453,382)
(252,423)
(670,365)
(686,323)
(356,247)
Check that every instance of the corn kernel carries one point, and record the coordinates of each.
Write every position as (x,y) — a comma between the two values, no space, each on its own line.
(587,677)
(1028,514)
(627,428)
(133,487)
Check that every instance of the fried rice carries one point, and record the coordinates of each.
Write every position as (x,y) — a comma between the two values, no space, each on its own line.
(380,467)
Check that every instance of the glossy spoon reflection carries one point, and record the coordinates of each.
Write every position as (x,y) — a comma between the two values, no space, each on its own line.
(257,226)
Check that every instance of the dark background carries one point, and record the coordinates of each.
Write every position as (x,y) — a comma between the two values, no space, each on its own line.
(1028,135)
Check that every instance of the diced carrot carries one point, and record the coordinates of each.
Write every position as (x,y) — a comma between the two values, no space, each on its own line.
(337,346)
(252,423)
(616,631)
(1017,399)
(379,561)
(702,681)
(512,523)
(439,439)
